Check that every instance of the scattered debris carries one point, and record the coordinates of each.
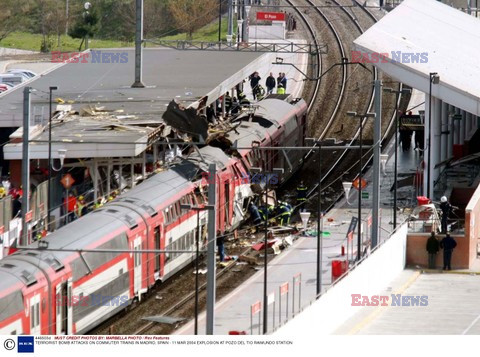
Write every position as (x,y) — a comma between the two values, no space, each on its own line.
(247,259)
(201,271)
(164,319)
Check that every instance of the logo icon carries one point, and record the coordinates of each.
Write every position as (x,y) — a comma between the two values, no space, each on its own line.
(25,344)
(9,344)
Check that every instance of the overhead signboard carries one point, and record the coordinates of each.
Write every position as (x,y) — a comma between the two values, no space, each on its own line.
(271,16)
(67,181)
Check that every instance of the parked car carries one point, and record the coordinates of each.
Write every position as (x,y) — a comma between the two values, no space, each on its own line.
(26,72)
(11,78)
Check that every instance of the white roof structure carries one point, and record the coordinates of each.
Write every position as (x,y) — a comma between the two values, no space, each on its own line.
(441,39)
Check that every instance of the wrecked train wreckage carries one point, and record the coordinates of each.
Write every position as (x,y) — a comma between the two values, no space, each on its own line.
(230,144)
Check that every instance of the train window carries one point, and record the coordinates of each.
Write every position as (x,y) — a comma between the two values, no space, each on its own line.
(168,215)
(37,313)
(11,305)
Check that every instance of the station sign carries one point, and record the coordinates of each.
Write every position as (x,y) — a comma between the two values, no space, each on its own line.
(356,183)
(256,307)
(67,181)
(271,16)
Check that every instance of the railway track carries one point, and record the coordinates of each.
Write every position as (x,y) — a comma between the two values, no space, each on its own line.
(181,302)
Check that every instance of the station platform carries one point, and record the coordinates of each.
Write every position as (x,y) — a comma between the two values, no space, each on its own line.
(450,306)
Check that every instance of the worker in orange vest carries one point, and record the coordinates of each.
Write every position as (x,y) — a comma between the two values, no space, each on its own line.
(71,207)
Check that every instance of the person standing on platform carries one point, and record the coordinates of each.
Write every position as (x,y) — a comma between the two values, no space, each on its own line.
(284,81)
(280,89)
(270,83)
(221,247)
(228,103)
(433,246)
(446,208)
(254,80)
(448,244)
(71,207)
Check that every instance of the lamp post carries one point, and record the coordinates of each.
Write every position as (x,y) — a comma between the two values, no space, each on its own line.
(275,171)
(434,78)
(359,238)
(197,249)
(86,6)
(395,174)
(51,89)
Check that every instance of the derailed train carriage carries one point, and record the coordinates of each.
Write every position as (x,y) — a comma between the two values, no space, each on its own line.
(64,291)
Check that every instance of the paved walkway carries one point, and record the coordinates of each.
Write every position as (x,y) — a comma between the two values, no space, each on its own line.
(451,307)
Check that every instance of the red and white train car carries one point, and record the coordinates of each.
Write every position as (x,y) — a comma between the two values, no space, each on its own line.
(69,292)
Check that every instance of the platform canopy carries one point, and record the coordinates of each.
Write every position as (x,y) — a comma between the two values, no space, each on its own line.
(422,37)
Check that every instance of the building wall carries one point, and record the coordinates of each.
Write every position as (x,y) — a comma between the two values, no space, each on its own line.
(472,224)
(417,252)
(465,254)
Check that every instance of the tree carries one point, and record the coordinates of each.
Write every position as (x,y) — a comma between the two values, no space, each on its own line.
(190,15)
(86,25)
(13,15)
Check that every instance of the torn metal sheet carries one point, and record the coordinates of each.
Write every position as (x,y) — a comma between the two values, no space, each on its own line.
(164,319)
(186,120)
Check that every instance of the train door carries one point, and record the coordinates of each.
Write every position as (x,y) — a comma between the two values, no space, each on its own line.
(69,321)
(35,314)
(156,237)
(227,204)
(137,268)
(62,305)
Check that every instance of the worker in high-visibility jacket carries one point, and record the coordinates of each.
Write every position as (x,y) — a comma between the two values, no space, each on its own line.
(228,102)
(280,89)
(285,212)
(301,193)
(81,206)
(259,92)
(98,204)
(244,102)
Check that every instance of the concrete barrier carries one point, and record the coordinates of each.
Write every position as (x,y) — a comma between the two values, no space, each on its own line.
(369,278)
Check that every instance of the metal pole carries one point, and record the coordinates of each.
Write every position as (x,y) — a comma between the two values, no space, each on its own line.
(230,19)
(211,267)
(395,171)
(359,238)
(219,20)
(49,201)
(319,219)
(429,133)
(138,45)
(25,165)
(265,262)
(376,163)
(196,272)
